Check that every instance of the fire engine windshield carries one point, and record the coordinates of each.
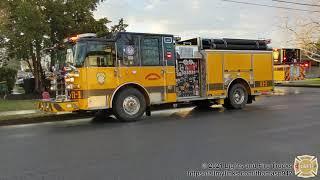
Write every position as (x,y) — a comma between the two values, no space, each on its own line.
(82,50)
(79,53)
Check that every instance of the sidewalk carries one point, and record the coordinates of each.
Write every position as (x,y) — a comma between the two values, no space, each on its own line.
(22,112)
(35,116)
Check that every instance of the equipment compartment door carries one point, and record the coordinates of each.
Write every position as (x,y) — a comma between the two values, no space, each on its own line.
(188,78)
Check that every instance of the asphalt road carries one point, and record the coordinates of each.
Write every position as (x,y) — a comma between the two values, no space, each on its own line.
(167,145)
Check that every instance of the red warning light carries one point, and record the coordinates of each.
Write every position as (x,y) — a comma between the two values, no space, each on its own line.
(169,55)
(284,60)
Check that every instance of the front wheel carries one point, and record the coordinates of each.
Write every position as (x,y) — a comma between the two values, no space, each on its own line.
(237,97)
(129,105)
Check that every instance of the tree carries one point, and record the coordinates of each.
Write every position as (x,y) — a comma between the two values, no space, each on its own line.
(120,27)
(67,18)
(9,76)
(305,32)
(3,20)
(29,26)
(26,29)
(3,57)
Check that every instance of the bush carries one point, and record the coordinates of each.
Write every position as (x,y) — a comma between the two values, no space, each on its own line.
(9,75)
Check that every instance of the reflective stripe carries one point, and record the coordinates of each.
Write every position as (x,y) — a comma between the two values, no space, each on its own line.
(99,92)
(267,83)
(216,86)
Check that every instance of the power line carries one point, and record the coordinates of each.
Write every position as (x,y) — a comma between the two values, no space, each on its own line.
(303,4)
(271,6)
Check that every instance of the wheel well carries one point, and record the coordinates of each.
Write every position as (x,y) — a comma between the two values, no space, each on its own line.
(132,85)
(240,81)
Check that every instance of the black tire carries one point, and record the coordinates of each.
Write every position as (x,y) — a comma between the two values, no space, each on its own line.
(237,97)
(122,110)
(227,104)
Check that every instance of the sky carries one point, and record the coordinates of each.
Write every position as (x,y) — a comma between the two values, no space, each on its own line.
(203,18)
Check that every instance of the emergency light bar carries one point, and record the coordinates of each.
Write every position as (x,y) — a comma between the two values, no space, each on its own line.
(75,38)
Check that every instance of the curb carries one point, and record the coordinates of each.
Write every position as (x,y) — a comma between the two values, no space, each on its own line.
(43,119)
(298,85)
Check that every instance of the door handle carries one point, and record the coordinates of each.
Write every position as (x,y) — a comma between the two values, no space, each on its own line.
(116,72)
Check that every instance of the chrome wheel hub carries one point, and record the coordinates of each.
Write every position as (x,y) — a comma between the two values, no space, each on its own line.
(238,96)
(131,105)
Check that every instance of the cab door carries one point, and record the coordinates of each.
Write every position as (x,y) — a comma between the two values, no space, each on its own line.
(169,57)
(147,60)
(153,67)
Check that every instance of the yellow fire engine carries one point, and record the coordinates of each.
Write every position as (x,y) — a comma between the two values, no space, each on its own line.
(288,65)
(130,72)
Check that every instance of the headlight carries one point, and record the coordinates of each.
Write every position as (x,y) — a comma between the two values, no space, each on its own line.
(69,86)
(72,86)
(74,74)
(71,79)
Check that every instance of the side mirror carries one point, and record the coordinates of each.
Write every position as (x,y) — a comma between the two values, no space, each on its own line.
(70,58)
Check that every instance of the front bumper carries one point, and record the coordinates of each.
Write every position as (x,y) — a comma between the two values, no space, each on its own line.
(53,106)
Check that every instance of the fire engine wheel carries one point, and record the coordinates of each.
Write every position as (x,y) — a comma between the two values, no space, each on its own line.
(129,105)
(237,97)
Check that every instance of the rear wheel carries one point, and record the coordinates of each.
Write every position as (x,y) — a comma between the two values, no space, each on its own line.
(237,97)
(129,105)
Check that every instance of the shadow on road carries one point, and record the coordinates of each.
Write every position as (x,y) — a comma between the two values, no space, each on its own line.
(162,117)
(104,120)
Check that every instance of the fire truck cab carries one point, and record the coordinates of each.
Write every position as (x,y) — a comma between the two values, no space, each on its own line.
(130,72)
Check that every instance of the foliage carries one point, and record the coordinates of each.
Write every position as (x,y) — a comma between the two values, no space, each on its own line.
(120,27)
(8,75)
(3,57)
(12,64)
(304,32)
(29,26)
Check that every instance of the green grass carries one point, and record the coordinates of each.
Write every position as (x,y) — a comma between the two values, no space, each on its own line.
(16,105)
(311,81)
(23,116)
(315,81)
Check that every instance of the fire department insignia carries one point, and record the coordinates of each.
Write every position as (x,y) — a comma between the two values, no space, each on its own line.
(101,77)
(129,50)
(306,166)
